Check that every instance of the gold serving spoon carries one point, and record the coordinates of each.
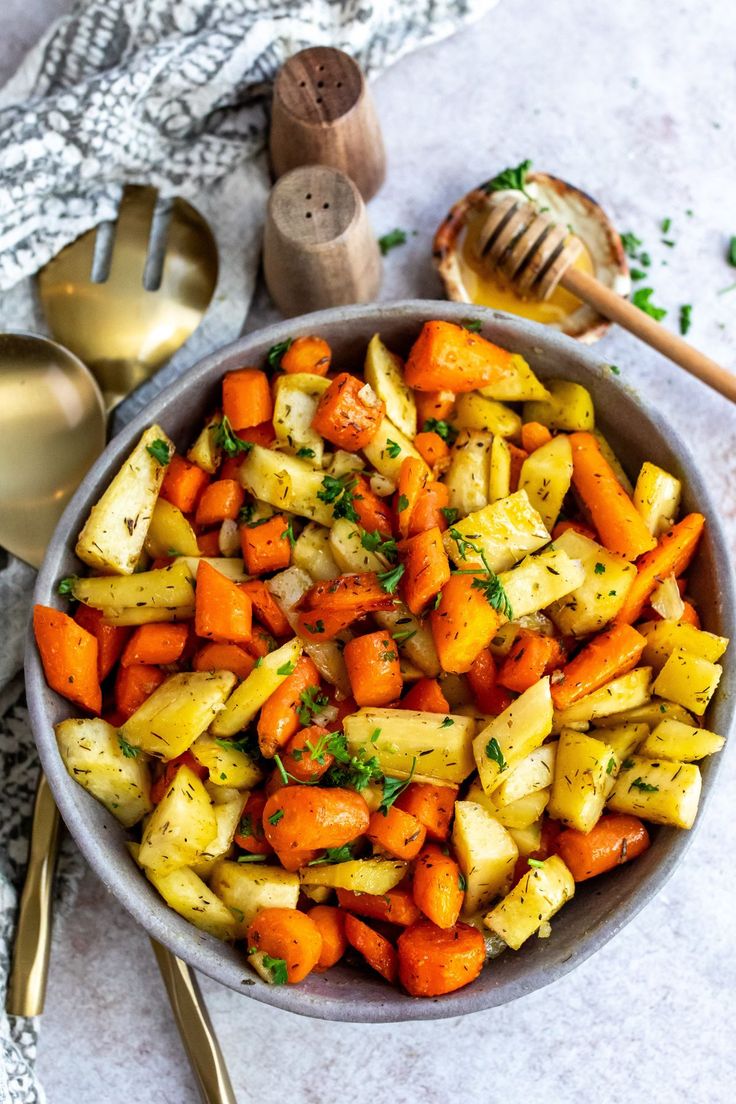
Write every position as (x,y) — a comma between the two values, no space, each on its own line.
(537,255)
(126,295)
(53,427)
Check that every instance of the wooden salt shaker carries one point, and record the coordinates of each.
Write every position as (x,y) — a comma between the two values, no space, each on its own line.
(323,114)
(318,249)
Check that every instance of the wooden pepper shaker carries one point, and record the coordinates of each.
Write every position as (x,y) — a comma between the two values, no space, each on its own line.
(323,114)
(318,249)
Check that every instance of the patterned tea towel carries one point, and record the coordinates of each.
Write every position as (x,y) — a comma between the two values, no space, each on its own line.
(172,93)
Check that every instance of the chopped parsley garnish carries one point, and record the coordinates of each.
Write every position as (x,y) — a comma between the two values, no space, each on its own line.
(311,702)
(665,225)
(276,352)
(686,317)
(393,788)
(462,885)
(389,580)
(494,753)
(159,450)
(352,771)
(277,968)
(491,585)
(631,244)
(599,568)
(66,586)
(448,721)
(316,627)
(402,503)
(245,513)
(377,542)
(390,241)
(510,180)
(228,440)
(645,787)
(252,858)
(536,863)
(392,448)
(615,369)
(627,764)
(611,766)
(642,299)
(450,514)
(276,817)
(247,744)
(443,429)
(404,635)
(305,453)
(288,533)
(128,750)
(286,669)
(471,324)
(334,855)
(337,491)
(389,657)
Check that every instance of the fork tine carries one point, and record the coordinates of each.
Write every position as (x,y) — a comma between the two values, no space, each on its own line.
(154,267)
(102,253)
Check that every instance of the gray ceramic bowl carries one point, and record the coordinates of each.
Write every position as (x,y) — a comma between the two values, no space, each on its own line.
(601,907)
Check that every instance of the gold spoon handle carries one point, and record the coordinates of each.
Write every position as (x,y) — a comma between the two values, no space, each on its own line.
(195,1028)
(27,984)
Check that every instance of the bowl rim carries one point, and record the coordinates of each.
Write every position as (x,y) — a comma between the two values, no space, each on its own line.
(183,939)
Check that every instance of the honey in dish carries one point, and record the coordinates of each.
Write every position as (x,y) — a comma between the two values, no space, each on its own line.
(489,289)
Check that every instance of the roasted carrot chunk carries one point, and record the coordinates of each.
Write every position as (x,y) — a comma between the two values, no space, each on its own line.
(220,501)
(606,656)
(307,354)
(331,926)
(306,758)
(483,678)
(671,556)
(266,608)
(224,657)
(615,839)
(111,639)
(246,398)
(396,833)
(375,948)
(348,413)
(69,657)
(250,835)
(183,483)
(429,511)
(222,610)
(266,545)
(618,522)
(446,357)
(434,961)
(133,685)
(427,569)
(279,718)
(438,888)
(289,935)
(534,435)
(413,478)
(356,593)
(426,696)
(313,817)
(373,668)
(433,450)
(433,806)
(433,406)
(374,513)
(532,655)
(156,644)
(396,907)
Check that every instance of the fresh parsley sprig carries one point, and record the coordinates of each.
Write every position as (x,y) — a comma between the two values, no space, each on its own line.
(491,585)
(227,439)
(511,179)
(338,492)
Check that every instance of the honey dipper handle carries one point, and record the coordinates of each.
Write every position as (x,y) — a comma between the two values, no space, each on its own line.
(620,310)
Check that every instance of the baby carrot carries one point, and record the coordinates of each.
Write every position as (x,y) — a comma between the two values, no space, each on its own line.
(413,476)
(395,907)
(615,839)
(428,510)
(299,758)
(279,718)
(375,949)
(619,523)
(606,656)
(250,835)
(312,817)
(356,593)
(307,354)
(672,556)
(397,833)
(289,935)
(438,888)
(434,961)
(330,924)
(373,668)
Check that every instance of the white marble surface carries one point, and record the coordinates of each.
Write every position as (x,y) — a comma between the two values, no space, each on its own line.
(633,102)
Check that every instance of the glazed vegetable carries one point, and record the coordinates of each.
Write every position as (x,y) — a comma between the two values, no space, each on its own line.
(383,651)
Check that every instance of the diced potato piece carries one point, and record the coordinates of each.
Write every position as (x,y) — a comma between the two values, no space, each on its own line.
(351,556)
(286,483)
(689,680)
(344,463)
(506,531)
(178,711)
(205,452)
(499,483)
(579,788)
(319,894)
(650,714)
(475,411)
(287,588)
(227,764)
(675,740)
(467,475)
(519,814)
(486,853)
(534,772)
(169,533)
(382,454)
(180,827)
(312,553)
(601,595)
(657,498)
(623,739)
(569,407)
(540,580)
(186,893)
(666,599)
(439,750)
(546,476)
(513,735)
(375,876)
(93,756)
(243,704)
(664,637)
(506,634)
(246,888)
(295,404)
(613,460)
(113,534)
(527,839)
(662,791)
(145,615)
(533,901)
(227,818)
(622,693)
(515,383)
(165,588)
(383,371)
(232,567)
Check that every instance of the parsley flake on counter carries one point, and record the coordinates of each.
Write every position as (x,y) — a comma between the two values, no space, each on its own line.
(686,317)
(642,299)
(391,241)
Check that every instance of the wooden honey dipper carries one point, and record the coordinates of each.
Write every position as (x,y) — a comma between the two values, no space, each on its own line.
(536,254)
